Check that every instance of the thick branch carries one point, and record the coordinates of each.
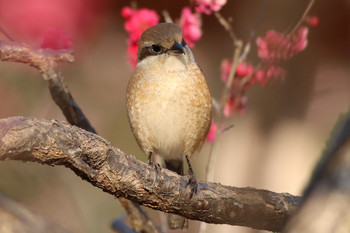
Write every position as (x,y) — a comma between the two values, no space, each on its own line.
(95,160)
(36,57)
(45,60)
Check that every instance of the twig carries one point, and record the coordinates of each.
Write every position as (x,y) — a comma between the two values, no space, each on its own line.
(46,60)
(93,158)
(6,34)
(167,17)
(302,18)
(237,44)
(226,25)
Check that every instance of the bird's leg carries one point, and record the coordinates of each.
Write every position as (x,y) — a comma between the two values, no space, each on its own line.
(192,180)
(151,163)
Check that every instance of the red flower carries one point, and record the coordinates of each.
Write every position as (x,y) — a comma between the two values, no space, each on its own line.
(275,47)
(137,21)
(191,26)
(265,74)
(226,66)
(55,38)
(208,6)
(235,104)
(312,21)
(243,69)
(27,20)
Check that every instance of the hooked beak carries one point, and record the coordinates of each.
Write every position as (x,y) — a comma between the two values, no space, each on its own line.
(176,49)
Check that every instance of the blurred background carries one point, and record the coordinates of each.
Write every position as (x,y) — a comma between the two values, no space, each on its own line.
(274,146)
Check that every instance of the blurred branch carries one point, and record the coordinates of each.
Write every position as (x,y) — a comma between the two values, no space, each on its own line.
(302,18)
(167,17)
(227,26)
(16,218)
(93,159)
(2,30)
(46,61)
(326,202)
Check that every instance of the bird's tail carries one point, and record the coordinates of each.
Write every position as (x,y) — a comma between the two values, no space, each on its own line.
(176,221)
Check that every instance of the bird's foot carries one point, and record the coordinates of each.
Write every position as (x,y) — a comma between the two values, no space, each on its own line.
(192,182)
(153,164)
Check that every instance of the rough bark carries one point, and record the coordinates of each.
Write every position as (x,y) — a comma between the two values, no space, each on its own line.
(93,158)
(46,61)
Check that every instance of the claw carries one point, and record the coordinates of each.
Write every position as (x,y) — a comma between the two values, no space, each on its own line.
(192,181)
(153,164)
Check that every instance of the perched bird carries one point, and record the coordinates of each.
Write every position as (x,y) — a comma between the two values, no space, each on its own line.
(168,102)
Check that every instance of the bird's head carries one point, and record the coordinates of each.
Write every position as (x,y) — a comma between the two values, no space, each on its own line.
(163,39)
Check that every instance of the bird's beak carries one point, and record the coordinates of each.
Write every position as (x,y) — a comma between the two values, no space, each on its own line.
(176,49)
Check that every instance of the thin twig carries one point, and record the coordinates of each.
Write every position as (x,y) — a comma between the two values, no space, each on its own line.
(6,34)
(258,20)
(237,44)
(226,25)
(302,18)
(214,148)
(167,17)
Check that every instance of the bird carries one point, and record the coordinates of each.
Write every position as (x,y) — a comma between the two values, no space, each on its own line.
(168,102)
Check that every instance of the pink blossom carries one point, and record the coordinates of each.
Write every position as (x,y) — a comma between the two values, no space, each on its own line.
(208,6)
(299,40)
(312,21)
(226,66)
(27,20)
(212,132)
(275,47)
(267,73)
(261,77)
(235,104)
(137,21)
(191,26)
(243,69)
(55,38)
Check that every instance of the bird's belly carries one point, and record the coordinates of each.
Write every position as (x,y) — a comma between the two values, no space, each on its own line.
(169,113)
(166,125)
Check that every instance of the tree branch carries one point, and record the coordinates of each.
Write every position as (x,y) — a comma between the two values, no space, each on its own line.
(46,61)
(93,159)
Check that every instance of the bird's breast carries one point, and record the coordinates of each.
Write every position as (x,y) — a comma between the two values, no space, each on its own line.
(169,111)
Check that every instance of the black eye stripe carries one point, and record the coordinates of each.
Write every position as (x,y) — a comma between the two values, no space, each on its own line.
(152,50)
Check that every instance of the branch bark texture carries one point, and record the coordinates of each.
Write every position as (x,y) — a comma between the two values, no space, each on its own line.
(93,159)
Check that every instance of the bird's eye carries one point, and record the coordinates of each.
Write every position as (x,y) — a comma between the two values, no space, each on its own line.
(183,43)
(156,48)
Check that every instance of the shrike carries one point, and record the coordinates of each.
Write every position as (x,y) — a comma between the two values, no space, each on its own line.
(168,102)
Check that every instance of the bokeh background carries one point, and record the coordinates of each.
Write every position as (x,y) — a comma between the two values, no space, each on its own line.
(274,146)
